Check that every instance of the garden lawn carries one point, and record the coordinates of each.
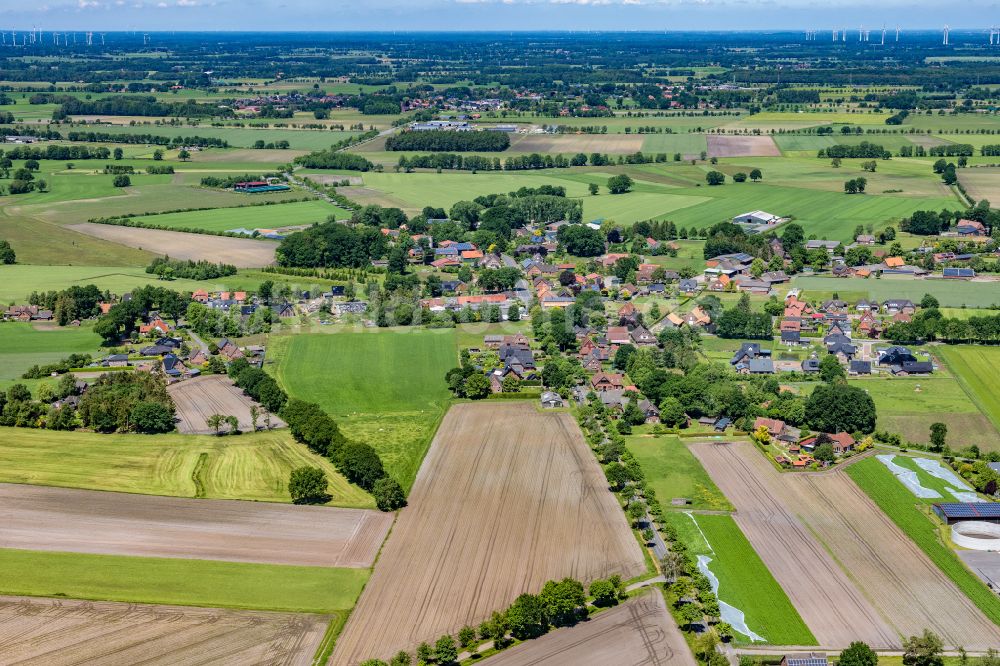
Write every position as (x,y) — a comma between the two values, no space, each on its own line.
(177,581)
(248,217)
(384,387)
(672,471)
(744,581)
(900,505)
(252,466)
(975,369)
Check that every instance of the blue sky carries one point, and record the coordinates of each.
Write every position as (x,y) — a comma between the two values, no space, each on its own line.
(339,15)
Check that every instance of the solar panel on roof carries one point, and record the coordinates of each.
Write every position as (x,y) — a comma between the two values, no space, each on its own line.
(970,510)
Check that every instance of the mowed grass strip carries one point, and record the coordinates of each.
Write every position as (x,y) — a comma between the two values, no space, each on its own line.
(900,505)
(246,467)
(673,471)
(974,368)
(182,582)
(248,217)
(744,581)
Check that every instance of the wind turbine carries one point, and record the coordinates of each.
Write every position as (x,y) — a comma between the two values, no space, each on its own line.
(946,35)
(897,33)
(883,35)
(102,38)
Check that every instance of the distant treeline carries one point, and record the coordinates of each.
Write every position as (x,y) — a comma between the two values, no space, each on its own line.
(864,149)
(444,140)
(109,137)
(329,159)
(135,106)
(524,162)
(331,244)
(54,152)
(165,267)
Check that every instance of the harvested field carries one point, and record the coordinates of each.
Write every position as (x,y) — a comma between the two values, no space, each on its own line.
(53,632)
(507,499)
(640,632)
(576,143)
(895,578)
(981,183)
(241,252)
(742,146)
(198,398)
(88,521)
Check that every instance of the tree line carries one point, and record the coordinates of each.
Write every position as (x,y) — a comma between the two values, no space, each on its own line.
(114,137)
(445,140)
(120,105)
(167,268)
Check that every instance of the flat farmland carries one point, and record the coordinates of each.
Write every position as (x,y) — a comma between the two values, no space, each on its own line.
(981,183)
(249,217)
(639,632)
(198,398)
(552,144)
(720,145)
(833,607)
(890,572)
(239,137)
(688,145)
(57,632)
(974,367)
(26,345)
(19,280)
(241,252)
(507,498)
(87,521)
(253,466)
(950,293)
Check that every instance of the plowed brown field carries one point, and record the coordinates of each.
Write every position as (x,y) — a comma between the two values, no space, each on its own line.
(90,521)
(507,498)
(640,632)
(851,573)
(57,632)
(198,398)
(741,146)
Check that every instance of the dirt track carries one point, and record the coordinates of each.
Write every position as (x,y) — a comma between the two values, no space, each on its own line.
(198,398)
(741,146)
(58,632)
(241,252)
(89,521)
(507,498)
(640,632)
(898,582)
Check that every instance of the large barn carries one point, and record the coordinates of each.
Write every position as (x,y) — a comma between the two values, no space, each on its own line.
(957,512)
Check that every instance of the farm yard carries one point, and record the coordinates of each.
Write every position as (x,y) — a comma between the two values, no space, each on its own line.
(639,632)
(533,480)
(883,562)
(241,252)
(87,521)
(250,467)
(62,631)
(199,398)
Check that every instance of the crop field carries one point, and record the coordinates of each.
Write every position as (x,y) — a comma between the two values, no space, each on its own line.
(672,471)
(981,183)
(182,582)
(744,581)
(950,293)
(974,368)
(249,467)
(19,280)
(741,146)
(384,387)
(26,345)
(900,506)
(249,217)
(910,405)
(90,521)
(61,631)
(553,144)
(639,632)
(198,398)
(508,498)
(889,571)
(239,137)
(241,252)
(689,145)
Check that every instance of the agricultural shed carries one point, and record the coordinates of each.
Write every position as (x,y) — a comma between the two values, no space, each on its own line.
(956,512)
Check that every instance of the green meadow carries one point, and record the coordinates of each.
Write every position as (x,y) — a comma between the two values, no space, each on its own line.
(249,217)
(238,137)
(673,471)
(974,367)
(25,345)
(20,280)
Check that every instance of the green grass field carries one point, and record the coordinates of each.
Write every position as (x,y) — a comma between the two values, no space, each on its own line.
(974,368)
(247,467)
(252,217)
(183,582)
(899,504)
(19,280)
(744,581)
(239,137)
(672,471)
(949,293)
(25,346)
(384,387)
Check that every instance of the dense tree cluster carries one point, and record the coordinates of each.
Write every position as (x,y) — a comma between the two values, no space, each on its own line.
(7,254)
(448,141)
(332,244)
(127,402)
(168,268)
(57,152)
(839,407)
(121,105)
(741,322)
(331,159)
(864,149)
(146,139)
(581,241)
(76,302)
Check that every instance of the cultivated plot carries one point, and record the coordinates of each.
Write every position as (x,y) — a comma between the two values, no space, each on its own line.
(199,398)
(84,521)
(241,252)
(53,632)
(640,632)
(741,146)
(507,498)
(893,575)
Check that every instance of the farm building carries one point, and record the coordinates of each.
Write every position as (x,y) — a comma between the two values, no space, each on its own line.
(956,512)
(805,660)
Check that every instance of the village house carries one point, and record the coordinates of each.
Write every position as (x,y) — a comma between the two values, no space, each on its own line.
(618,335)
(606,381)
